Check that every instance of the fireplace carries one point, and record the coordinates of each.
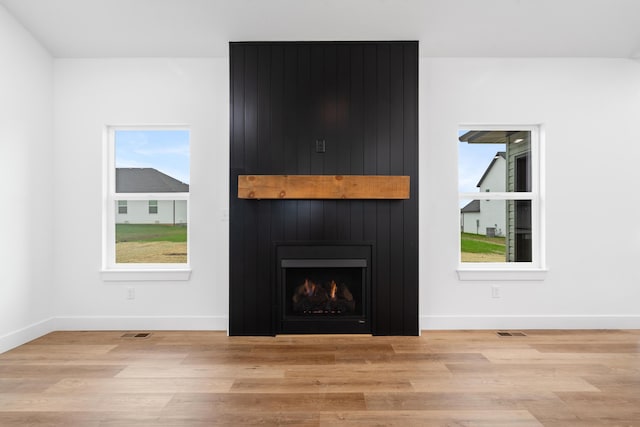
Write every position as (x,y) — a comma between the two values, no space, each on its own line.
(323,288)
(341,119)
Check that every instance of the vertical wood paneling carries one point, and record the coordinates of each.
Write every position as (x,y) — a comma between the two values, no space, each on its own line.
(356,128)
(328,131)
(369,163)
(410,211)
(250,217)
(383,233)
(278,159)
(305,136)
(236,229)
(396,167)
(265,146)
(361,98)
(291,113)
(342,110)
(251,108)
(291,131)
(265,107)
(370,124)
(342,135)
(237,107)
(316,106)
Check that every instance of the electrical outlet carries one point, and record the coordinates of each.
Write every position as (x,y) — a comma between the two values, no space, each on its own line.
(131,293)
(495,291)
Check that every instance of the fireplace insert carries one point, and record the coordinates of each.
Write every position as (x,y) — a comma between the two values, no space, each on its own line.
(324,288)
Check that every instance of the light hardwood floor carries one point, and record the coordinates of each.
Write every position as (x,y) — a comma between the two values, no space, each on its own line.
(462,378)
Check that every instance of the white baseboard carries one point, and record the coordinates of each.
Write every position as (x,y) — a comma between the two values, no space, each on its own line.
(452,322)
(137,323)
(26,334)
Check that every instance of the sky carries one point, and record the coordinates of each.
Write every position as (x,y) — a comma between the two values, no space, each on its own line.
(473,160)
(164,150)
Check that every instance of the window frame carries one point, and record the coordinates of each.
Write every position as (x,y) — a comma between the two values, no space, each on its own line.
(535,269)
(111,270)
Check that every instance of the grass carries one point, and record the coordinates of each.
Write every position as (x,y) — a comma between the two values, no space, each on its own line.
(151,233)
(479,244)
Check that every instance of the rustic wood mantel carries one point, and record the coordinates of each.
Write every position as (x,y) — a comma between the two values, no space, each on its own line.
(323,187)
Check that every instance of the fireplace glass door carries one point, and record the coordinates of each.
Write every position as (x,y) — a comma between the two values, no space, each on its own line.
(322,288)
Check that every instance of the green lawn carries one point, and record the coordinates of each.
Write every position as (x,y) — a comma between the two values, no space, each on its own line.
(479,244)
(150,233)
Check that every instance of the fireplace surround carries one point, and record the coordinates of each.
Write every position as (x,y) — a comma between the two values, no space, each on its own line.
(327,110)
(323,288)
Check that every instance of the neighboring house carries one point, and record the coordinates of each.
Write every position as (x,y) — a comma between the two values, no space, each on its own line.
(149,180)
(470,217)
(487,217)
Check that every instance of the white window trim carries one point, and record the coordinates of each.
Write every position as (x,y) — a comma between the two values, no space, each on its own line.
(112,271)
(536,270)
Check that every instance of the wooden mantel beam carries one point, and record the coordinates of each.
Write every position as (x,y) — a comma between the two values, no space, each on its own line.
(323,187)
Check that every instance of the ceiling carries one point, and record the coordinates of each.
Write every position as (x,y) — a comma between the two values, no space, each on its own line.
(453,28)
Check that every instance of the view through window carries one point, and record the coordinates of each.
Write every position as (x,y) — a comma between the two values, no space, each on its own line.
(497,192)
(149,193)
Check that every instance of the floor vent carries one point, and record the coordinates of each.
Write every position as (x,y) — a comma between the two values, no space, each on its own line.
(511,334)
(137,335)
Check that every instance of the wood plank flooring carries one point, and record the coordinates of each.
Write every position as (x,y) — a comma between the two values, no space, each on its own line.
(452,378)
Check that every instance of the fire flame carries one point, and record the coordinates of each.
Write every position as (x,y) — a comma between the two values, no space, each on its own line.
(309,288)
(333,289)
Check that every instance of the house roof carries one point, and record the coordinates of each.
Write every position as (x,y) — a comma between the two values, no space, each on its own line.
(491,136)
(472,206)
(147,180)
(493,162)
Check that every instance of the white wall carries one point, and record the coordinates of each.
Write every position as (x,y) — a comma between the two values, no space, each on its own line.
(91,94)
(26,124)
(589,110)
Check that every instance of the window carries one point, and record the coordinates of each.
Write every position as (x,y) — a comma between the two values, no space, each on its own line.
(153,207)
(500,199)
(146,211)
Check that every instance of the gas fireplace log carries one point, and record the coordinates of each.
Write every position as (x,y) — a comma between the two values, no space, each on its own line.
(311,298)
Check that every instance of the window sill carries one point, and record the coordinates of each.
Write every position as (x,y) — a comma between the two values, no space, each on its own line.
(145,275)
(529,274)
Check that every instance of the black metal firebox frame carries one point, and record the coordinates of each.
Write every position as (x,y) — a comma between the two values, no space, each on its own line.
(320,255)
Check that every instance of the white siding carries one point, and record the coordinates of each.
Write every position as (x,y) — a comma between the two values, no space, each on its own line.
(492,212)
(469,221)
(169,212)
(495,179)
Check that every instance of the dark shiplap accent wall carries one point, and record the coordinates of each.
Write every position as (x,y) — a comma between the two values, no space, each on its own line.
(362,99)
